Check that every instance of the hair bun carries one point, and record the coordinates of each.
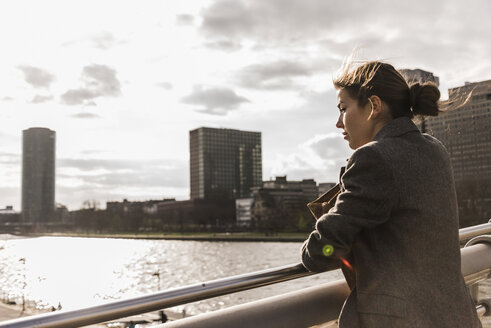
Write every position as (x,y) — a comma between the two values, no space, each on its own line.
(424,98)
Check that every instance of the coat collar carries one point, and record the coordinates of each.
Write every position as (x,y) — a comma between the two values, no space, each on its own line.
(396,127)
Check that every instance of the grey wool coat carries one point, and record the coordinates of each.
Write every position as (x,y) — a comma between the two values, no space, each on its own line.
(396,223)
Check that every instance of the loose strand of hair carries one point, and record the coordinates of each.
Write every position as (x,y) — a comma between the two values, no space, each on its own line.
(458,101)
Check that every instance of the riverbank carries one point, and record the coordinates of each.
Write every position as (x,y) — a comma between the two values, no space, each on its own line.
(205,236)
(9,312)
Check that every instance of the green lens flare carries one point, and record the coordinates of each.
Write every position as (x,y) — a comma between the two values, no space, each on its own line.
(327,250)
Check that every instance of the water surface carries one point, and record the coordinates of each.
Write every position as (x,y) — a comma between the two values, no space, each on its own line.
(78,272)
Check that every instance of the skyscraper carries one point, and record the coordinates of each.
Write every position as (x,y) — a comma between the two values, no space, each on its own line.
(466,132)
(38,175)
(225,163)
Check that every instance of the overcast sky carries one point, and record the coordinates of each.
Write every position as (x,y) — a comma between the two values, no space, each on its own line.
(123,82)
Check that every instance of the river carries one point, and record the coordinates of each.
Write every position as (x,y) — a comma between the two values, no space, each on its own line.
(79,272)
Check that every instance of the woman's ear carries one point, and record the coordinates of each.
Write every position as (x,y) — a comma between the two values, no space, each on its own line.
(375,107)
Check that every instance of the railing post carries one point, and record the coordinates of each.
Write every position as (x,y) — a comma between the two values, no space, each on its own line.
(474,288)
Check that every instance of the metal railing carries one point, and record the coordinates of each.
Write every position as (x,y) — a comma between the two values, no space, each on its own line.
(197,292)
(321,305)
(473,231)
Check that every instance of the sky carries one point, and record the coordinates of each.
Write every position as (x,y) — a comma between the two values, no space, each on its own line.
(123,82)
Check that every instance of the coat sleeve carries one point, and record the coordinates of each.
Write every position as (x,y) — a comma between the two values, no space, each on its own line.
(365,202)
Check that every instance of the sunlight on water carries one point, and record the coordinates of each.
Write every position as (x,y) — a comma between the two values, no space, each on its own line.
(73,271)
(77,272)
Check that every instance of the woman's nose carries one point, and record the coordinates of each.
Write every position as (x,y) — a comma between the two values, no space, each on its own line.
(339,123)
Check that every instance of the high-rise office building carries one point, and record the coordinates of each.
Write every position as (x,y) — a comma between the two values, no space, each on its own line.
(466,132)
(224,163)
(38,175)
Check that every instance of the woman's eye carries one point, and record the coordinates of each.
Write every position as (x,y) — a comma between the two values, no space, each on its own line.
(342,110)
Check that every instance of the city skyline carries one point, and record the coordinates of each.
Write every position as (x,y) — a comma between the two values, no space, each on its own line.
(123,84)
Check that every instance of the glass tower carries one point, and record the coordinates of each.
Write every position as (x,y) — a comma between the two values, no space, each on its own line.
(224,163)
(38,175)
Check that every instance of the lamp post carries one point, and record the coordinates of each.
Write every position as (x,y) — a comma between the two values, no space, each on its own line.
(157,274)
(24,284)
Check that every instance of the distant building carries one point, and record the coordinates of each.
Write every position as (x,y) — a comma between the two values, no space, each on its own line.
(7,210)
(466,132)
(148,207)
(308,187)
(38,175)
(125,207)
(62,214)
(196,215)
(9,220)
(418,75)
(281,205)
(243,209)
(224,163)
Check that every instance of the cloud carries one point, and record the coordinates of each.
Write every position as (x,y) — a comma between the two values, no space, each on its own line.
(165,85)
(328,146)
(228,18)
(38,99)
(104,41)
(224,45)
(10,196)
(274,75)
(321,154)
(103,79)
(115,179)
(184,19)
(97,152)
(319,158)
(110,173)
(215,100)
(299,166)
(97,164)
(79,97)
(332,29)
(300,21)
(9,158)
(271,22)
(10,168)
(37,77)
(84,115)
(97,81)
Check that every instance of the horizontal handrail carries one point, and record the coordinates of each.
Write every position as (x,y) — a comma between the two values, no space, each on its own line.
(473,231)
(160,300)
(178,296)
(306,307)
(315,305)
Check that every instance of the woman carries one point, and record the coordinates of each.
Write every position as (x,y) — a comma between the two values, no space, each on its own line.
(395,222)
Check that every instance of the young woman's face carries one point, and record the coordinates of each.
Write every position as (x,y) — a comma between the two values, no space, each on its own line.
(354,120)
